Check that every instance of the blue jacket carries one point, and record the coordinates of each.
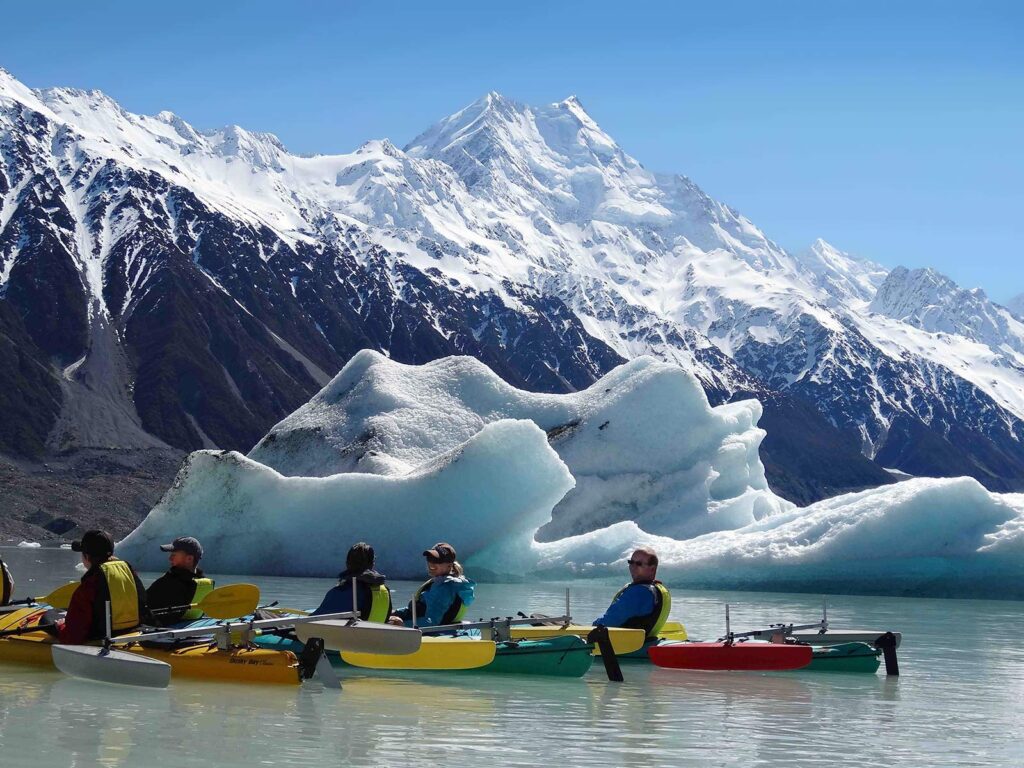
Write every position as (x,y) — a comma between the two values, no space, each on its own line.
(435,601)
(636,600)
(339,599)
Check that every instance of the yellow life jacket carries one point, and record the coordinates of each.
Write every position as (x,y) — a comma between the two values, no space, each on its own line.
(120,586)
(380,604)
(652,622)
(204,587)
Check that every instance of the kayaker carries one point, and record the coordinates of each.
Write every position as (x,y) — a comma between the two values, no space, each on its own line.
(373,599)
(444,597)
(183,585)
(107,579)
(645,602)
(6,583)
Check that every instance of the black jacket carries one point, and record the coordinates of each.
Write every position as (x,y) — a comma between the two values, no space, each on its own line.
(177,587)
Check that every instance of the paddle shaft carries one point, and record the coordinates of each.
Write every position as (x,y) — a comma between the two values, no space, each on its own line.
(555,621)
(26,630)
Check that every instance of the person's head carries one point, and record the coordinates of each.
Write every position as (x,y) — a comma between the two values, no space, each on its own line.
(643,564)
(441,560)
(96,547)
(359,558)
(185,552)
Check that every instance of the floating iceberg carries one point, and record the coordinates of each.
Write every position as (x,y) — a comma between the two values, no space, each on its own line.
(940,537)
(29,544)
(499,485)
(403,456)
(642,443)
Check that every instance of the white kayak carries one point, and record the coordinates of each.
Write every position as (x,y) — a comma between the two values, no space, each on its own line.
(110,666)
(839,636)
(362,637)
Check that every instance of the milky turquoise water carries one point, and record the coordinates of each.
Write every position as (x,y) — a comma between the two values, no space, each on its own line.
(958,702)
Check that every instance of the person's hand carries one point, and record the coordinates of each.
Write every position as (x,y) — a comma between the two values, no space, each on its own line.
(396,620)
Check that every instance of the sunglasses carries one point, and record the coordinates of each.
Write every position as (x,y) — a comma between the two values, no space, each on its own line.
(640,563)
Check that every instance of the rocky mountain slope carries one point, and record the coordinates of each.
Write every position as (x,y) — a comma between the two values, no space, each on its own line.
(167,287)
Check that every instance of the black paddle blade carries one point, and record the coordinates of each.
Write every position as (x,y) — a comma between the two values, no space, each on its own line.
(887,643)
(599,635)
(310,655)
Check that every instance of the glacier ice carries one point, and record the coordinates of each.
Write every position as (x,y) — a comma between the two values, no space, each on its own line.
(404,456)
(500,484)
(642,443)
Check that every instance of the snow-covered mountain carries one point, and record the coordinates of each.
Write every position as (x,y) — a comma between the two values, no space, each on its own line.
(1016,306)
(193,287)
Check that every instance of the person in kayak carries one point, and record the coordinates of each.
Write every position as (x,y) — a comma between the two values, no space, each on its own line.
(444,597)
(184,584)
(6,583)
(107,579)
(645,602)
(373,599)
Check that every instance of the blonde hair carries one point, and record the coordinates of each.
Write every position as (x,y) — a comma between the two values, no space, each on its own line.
(456,569)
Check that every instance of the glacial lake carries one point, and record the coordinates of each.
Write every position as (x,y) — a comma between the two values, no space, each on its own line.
(958,702)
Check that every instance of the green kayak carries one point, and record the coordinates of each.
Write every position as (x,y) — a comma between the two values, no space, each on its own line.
(563,656)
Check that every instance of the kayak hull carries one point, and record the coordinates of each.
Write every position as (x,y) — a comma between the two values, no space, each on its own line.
(845,657)
(201,661)
(759,657)
(434,653)
(567,656)
(623,640)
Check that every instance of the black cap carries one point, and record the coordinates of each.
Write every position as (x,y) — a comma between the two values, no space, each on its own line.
(442,552)
(94,544)
(186,544)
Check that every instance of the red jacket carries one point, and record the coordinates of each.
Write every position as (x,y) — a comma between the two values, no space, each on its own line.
(84,619)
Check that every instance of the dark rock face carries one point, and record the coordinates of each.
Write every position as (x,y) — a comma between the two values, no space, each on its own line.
(209,328)
(30,394)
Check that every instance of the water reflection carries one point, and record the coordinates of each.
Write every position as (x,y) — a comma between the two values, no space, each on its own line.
(958,702)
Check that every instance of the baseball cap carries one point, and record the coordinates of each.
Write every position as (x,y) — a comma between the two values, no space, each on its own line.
(186,544)
(442,552)
(95,544)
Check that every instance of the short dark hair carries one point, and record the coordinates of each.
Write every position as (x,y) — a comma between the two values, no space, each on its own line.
(360,557)
(652,558)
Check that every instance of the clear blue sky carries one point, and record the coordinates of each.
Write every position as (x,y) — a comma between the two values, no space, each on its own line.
(893,130)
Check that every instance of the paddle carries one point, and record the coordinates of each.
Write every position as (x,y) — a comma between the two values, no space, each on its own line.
(599,635)
(227,602)
(59,598)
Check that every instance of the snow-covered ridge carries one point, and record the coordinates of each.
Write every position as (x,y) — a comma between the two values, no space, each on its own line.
(503,196)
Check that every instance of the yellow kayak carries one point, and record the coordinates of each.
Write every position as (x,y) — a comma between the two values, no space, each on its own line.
(434,653)
(200,660)
(623,640)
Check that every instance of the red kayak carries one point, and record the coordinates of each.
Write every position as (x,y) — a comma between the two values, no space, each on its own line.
(739,656)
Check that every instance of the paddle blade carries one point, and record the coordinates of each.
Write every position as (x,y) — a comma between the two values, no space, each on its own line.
(362,637)
(106,666)
(230,601)
(60,598)
(673,630)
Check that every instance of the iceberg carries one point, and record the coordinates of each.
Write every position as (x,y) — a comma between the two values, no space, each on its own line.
(499,485)
(643,444)
(553,486)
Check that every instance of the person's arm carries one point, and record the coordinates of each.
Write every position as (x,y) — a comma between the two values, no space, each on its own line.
(635,601)
(6,583)
(467,591)
(77,623)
